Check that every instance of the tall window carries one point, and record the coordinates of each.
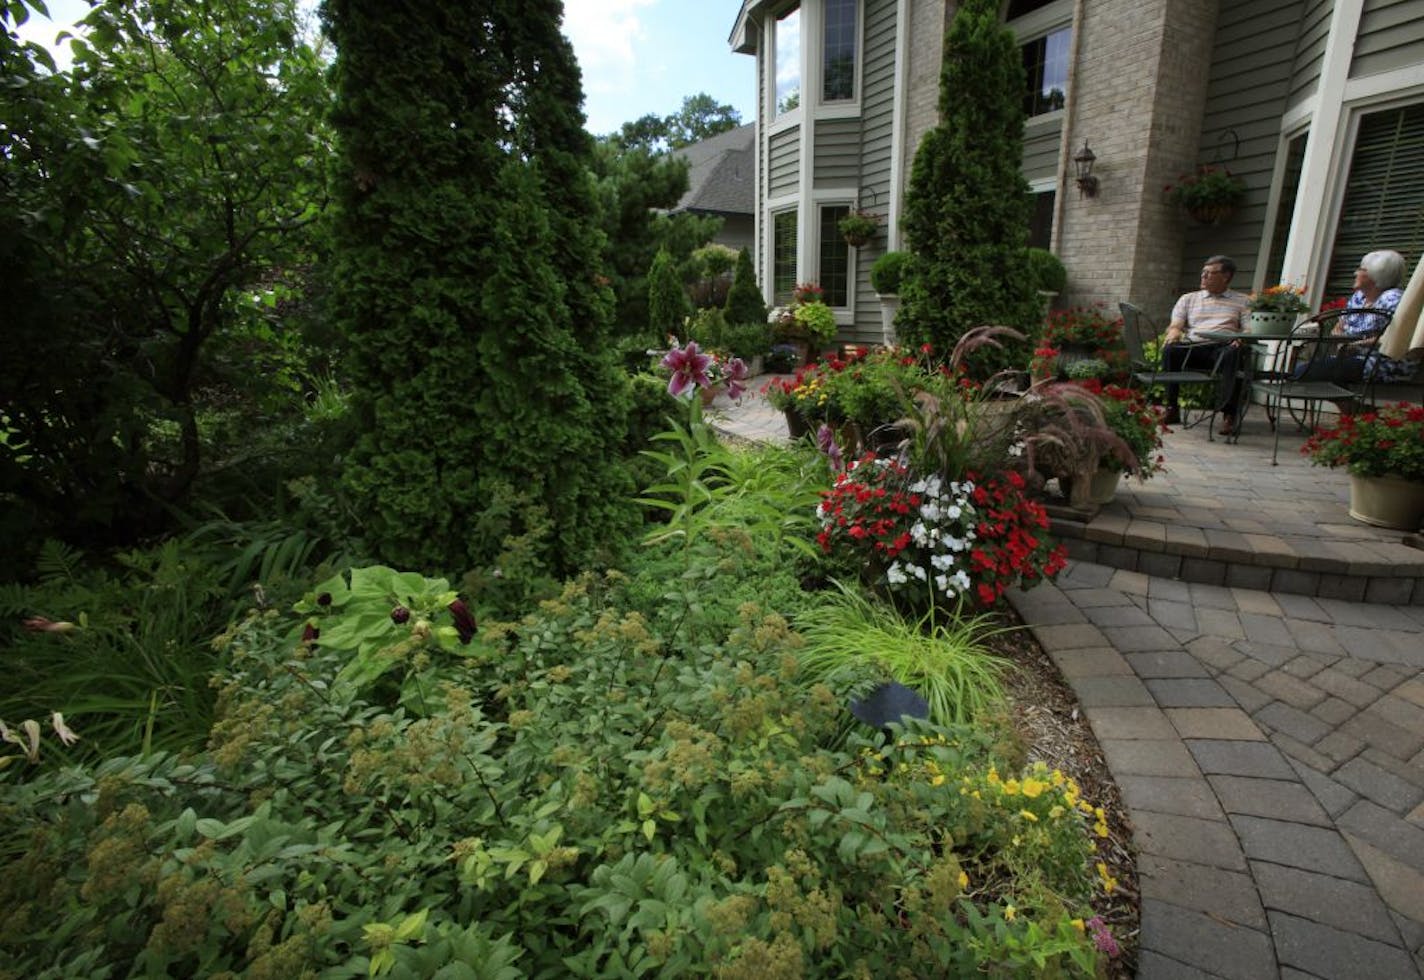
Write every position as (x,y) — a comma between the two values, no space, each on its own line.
(1045,61)
(787,34)
(1285,208)
(1040,224)
(1381,206)
(783,256)
(838,65)
(835,257)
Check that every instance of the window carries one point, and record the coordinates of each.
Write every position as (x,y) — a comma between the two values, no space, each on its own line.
(1045,61)
(835,257)
(1040,224)
(1285,209)
(783,256)
(838,52)
(1382,195)
(787,69)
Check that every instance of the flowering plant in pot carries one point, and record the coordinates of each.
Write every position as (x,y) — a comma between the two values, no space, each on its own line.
(1383,451)
(858,227)
(1209,196)
(1128,415)
(1280,298)
(955,541)
(1080,333)
(1387,442)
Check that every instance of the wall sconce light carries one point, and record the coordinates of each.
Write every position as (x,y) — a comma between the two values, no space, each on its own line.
(1083,165)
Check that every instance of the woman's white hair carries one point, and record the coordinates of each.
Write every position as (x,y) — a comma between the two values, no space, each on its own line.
(1385,267)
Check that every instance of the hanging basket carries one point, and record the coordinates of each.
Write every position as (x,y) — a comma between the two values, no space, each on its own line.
(1212,214)
(857,241)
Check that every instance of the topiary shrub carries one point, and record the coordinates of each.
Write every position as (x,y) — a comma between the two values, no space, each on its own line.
(744,299)
(1045,271)
(667,300)
(888,272)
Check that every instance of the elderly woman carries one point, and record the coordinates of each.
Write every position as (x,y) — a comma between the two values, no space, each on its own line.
(1376,287)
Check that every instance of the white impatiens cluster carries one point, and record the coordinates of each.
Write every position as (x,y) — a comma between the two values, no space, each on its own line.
(943,531)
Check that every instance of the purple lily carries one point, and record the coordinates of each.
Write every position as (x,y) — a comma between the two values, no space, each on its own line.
(826,440)
(464,620)
(734,373)
(689,369)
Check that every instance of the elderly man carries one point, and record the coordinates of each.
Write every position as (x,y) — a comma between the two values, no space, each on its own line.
(1215,307)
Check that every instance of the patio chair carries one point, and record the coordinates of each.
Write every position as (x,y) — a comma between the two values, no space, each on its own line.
(1306,371)
(1149,374)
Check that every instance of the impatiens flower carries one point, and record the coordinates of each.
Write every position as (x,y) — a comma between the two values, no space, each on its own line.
(65,733)
(689,369)
(464,619)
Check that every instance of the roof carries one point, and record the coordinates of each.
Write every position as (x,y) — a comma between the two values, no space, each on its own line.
(721,173)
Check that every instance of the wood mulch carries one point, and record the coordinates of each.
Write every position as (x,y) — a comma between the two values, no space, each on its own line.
(1047,716)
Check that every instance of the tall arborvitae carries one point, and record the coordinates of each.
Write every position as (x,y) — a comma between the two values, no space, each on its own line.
(744,301)
(967,208)
(468,285)
(667,299)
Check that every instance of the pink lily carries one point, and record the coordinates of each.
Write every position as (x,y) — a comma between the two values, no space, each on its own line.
(735,372)
(689,369)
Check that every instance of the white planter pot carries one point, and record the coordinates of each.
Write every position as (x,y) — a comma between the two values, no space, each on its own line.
(1270,324)
(889,306)
(1387,501)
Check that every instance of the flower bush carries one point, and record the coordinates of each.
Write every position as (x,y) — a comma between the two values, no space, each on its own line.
(1387,442)
(1090,332)
(1281,298)
(1208,195)
(964,540)
(1130,417)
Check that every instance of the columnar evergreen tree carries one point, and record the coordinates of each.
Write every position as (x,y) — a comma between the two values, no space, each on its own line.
(967,208)
(667,299)
(468,284)
(744,300)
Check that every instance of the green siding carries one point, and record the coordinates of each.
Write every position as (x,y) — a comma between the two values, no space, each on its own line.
(1251,80)
(1391,36)
(784,162)
(1309,50)
(837,153)
(1040,155)
(877,108)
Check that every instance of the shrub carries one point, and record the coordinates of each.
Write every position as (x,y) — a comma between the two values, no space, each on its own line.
(1046,271)
(667,300)
(817,320)
(888,271)
(744,299)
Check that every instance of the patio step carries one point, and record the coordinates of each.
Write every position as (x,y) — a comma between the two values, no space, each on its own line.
(1382,571)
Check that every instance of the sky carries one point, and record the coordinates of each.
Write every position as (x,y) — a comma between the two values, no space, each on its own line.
(637,56)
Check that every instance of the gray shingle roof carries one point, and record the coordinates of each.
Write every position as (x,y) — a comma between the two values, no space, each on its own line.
(721,175)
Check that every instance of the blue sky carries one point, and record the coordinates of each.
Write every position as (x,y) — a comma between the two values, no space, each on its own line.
(637,56)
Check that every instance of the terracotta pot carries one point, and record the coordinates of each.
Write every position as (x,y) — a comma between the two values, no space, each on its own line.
(1387,501)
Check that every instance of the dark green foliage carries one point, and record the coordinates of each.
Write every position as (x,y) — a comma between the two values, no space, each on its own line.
(636,187)
(966,211)
(700,117)
(1046,271)
(146,197)
(888,272)
(744,299)
(467,280)
(667,299)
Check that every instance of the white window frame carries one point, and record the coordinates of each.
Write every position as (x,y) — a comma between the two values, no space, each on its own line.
(1037,24)
(813,45)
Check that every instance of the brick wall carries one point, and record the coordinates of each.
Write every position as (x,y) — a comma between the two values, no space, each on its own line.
(1138,99)
(927,24)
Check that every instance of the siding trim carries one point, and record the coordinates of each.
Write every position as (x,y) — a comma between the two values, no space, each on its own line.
(897,121)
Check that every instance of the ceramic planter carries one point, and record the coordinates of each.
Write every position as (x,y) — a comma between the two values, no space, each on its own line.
(1387,501)
(1266,323)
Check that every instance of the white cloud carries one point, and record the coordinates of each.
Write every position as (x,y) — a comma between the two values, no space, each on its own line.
(605,35)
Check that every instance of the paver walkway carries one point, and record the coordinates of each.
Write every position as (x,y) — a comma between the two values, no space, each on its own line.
(1252,663)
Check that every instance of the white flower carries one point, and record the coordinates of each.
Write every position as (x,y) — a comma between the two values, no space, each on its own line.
(895,574)
(918,534)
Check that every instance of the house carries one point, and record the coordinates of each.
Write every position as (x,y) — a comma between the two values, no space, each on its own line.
(721,182)
(1318,105)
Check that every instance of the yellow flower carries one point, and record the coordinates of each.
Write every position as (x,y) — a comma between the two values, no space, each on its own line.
(1109,882)
(1033,787)
(1029,815)
(1011,788)
(1010,913)
(1077,924)
(1100,828)
(937,780)
(963,880)
(1056,812)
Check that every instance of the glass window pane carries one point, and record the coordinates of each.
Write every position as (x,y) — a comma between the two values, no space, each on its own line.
(788,61)
(1045,61)
(1040,228)
(835,257)
(783,256)
(839,51)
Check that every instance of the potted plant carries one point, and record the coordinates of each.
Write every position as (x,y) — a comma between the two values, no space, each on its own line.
(817,321)
(885,277)
(1383,451)
(1209,196)
(1275,309)
(858,227)
(1079,334)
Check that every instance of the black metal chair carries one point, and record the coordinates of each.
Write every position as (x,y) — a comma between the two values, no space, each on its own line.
(1311,368)
(1148,374)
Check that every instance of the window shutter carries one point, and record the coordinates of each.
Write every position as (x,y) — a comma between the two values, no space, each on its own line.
(1384,197)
